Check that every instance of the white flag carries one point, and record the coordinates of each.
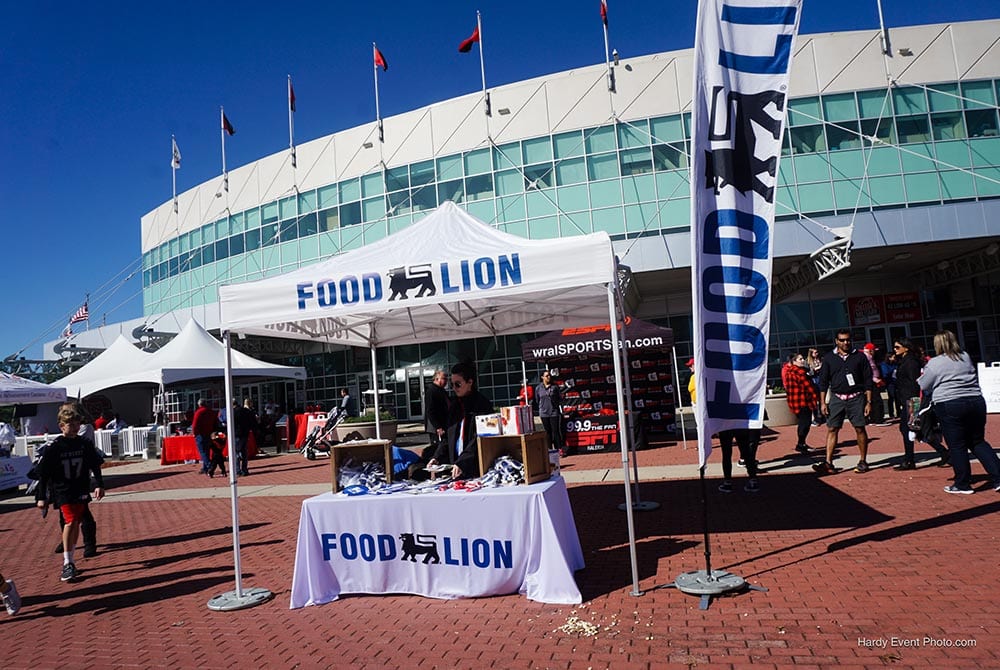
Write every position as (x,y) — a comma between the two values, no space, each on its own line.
(175,161)
(742,57)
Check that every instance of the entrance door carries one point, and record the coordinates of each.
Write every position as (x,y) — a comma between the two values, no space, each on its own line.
(883,337)
(967,332)
(363,383)
(417,380)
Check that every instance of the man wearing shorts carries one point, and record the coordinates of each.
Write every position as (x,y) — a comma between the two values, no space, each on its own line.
(64,480)
(846,377)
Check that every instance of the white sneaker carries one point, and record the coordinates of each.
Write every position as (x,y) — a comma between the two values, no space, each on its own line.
(11,599)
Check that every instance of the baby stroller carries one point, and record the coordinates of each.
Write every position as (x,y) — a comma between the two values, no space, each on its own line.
(319,441)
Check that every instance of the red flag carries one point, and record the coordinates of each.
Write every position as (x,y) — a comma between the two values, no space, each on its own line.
(380,60)
(466,45)
(228,127)
(82,314)
(291,96)
(604,12)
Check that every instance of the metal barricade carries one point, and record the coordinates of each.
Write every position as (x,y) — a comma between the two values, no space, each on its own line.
(106,441)
(133,441)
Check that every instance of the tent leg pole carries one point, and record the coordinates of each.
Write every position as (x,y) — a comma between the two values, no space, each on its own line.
(378,422)
(238,599)
(624,439)
(629,417)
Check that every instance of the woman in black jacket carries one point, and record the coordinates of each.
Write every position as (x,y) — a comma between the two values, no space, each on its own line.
(461,448)
(910,366)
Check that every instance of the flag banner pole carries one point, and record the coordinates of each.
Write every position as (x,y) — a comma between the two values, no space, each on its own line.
(607,48)
(742,57)
(291,121)
(482,68)
(378,113)
(222,134)
(175,162)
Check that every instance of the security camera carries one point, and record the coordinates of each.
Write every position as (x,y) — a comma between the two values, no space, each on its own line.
(614,55)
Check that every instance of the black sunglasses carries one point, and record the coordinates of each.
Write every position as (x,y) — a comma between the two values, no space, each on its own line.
(843,340)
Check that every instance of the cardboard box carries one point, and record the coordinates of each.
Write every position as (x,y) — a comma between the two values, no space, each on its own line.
(360,450)
(489,424)
(517,420)
(531,449)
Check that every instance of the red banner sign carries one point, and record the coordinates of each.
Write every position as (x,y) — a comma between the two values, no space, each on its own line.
(867,310)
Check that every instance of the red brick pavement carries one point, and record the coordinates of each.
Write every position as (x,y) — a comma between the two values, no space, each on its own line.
(847,557)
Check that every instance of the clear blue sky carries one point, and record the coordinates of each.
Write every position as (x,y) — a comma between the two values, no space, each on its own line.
(90,95)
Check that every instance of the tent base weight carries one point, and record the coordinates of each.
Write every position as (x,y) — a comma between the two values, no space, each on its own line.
(229,601)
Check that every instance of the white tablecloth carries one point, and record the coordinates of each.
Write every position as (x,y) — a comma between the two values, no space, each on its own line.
(493,541)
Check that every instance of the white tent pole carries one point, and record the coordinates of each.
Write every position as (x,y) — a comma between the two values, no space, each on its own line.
(378,422)
(680,404)
(231,439)
(524,382)
(623,437)
(628,417)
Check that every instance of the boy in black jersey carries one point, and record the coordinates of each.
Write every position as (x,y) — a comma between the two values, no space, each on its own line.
(64,474)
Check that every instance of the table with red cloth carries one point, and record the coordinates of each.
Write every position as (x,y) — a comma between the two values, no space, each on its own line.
(303,423)
(183,448)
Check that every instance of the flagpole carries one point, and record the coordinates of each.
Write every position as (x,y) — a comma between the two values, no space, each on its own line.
(607,52)
(222,134)
(291,124)
(378,115)
(173,167)
(482,67)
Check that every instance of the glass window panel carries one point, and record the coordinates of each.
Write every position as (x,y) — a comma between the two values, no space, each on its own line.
(376,232)
(982,122)
(913,129)
(237,223)
(537,150)
(816,197)
(478,162)
(372,185)
(539,176)
(605,193)
(453,190)
(510,182)
(421,173)
(397,178)
(208,254)
(610,220)
(883,161)
(671,185)
(874,104)
(399,203)
(540,204)
(252,239)
(918,158)
(222,228)
(604,166)
(424,198)
(943,98)
(350,214)
(184,243)
(808,139)
(545,228)
(286,208)
(844,135)
(483,210)
(572,171)
(479,187)
(269,213)
(988,188)
(922,187)
(350,190)
(510,208)
(804,111)
(329,219)
(980,91)
(811,168)
(686,118)
(848,194)
(639,218)
(636,161)
(984,151)
(577,223)
(840,107)
(449,167)
(669,157)
(328,196)
(207,234)
(909,100)
(307,202)
(573,198)
(397,223)
(236,245)
(886,190)
(953,153)
(667,129)
(633,135)
(507,156)
(847,164)
(600,139)
(308,250)
(883,129)
(676,214)
(955,185)
(640,188)
(288,230)
(568,145)
(373,209)
(948,126)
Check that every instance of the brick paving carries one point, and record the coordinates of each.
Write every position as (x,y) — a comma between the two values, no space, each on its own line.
(846,559)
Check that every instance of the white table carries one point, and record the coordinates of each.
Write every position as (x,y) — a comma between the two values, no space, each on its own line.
(519,539)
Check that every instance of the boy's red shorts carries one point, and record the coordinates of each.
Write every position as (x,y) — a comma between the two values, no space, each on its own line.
(73,512)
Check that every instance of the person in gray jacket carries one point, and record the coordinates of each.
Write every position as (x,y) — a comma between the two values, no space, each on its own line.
(950,379)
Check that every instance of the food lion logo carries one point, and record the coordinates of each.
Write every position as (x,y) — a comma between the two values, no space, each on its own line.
(402,280)
(419,544)
(473,552)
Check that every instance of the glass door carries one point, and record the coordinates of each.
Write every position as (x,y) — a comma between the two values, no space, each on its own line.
(417,380)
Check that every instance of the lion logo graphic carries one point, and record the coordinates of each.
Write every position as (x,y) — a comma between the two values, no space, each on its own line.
(420,544)
(402,280)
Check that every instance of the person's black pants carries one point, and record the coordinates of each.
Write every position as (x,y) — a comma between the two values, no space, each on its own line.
(804,419)
(747,441)
(553,428)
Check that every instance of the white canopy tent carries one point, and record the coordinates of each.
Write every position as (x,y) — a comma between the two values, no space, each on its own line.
(121,363)
(16,390)
(446,277)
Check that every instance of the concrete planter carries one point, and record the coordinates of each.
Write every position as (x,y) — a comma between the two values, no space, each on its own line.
(367,430)
(778,413)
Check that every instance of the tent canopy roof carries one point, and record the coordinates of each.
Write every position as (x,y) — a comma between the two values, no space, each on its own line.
(448,276)
(16,390)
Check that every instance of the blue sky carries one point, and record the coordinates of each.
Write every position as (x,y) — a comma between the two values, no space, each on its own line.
(90,95)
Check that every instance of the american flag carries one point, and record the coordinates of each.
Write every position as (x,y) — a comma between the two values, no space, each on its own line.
(82,314)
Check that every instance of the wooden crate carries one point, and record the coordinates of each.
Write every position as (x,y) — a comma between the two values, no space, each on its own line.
(532,449)
(360,450)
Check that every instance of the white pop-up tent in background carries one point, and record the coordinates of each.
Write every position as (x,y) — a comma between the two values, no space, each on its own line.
(446,277)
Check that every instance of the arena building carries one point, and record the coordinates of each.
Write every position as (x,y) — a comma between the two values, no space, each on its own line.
(890,170)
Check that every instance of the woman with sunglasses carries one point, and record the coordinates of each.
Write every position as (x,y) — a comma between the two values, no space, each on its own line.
(950,379)
(460,448)
(907,372)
